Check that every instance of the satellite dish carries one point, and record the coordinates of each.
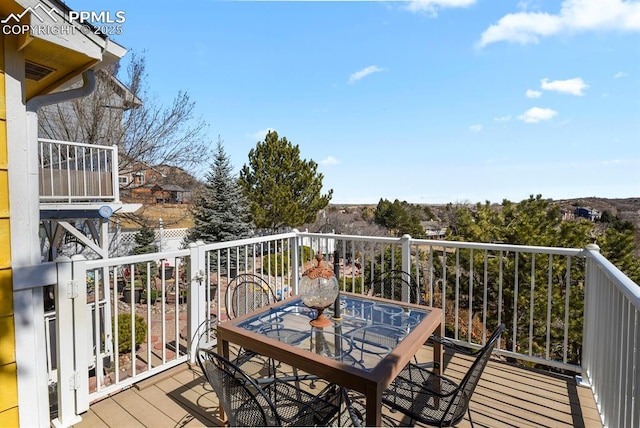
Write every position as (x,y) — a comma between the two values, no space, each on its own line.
(105,211)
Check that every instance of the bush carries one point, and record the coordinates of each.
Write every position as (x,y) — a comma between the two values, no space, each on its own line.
(353,285)
(272,264)
(124,331)
(153,294)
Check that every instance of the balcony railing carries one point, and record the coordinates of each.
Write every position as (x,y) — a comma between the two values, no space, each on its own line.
(566,309)
(75,172)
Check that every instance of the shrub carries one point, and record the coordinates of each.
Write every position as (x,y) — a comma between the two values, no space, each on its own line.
(272,264)
(153,294)
(353,285)
(124,331)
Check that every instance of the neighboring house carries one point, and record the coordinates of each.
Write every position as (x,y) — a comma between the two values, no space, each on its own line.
(161,184)
(434,229)
(33,65)
(588,213)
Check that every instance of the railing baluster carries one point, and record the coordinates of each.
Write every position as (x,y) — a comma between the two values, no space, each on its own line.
(484,296)
(549,305)
(471,275)
(532,301)
(514,345)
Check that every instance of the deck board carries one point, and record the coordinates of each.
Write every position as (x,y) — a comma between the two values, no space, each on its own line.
(506,396)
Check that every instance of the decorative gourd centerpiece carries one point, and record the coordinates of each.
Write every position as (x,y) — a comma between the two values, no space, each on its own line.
(319,289)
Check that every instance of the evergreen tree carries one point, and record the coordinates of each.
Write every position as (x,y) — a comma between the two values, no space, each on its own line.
(536,222)
(283,189)
(144,240)
(220,211)
(399,218)
(618,246)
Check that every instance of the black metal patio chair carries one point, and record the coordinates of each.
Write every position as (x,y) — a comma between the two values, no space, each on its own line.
(278,403)
(389,284)
(247,292)
(436,400)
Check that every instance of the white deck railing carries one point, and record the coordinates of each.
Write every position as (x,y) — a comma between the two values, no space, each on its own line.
(611,351)
(75,172)
(542,294)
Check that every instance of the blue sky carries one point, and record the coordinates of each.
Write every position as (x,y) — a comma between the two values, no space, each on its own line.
(430,102)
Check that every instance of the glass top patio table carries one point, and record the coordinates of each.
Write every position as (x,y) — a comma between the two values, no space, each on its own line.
(366,333)
(364,350)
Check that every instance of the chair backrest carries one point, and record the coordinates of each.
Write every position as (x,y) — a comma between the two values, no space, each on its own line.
(460,403)
(243,400)
(246,293)
(389,284)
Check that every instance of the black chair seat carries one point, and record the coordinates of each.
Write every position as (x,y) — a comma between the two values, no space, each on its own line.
(278,403)
(435,400)
(425,396)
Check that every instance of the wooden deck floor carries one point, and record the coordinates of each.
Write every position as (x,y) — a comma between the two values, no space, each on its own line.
(507,396)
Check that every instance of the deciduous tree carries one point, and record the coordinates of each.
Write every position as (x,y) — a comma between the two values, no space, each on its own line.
(126,114)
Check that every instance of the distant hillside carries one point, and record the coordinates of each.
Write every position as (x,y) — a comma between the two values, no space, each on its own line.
(624,209)
(177,216)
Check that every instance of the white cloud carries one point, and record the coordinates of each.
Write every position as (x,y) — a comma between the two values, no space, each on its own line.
(620,75)
(574,16)
(363,73)
(432,6)
(329,160)
(475,128)
(533,94)
(573,86)
(537,114)
(261,134)
(502,118)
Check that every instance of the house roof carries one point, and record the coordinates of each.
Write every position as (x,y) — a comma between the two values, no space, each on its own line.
(54,58)
(166,187)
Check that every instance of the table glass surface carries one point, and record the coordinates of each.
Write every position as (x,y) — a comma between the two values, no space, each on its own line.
(368,331)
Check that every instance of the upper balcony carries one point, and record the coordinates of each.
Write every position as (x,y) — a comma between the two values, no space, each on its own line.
(76,180)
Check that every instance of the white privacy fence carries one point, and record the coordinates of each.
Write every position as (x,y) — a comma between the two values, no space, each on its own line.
(123,243)
(158,314)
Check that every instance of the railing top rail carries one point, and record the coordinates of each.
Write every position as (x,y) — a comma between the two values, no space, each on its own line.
(453,244)
(389,240)
(630,289)
(498,247)
(70,143)
(138,258)
(247,241)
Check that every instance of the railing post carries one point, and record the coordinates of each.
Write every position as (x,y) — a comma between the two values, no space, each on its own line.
(406,265)
(196,302)
(82,329)
(116,175)
(589,317)
(68,341)
(295,261)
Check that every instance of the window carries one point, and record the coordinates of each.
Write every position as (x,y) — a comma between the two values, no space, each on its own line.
(140,177)
(123,179)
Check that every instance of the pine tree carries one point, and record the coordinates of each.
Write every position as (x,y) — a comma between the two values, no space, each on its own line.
(284,190)
(220,211)
(144,240)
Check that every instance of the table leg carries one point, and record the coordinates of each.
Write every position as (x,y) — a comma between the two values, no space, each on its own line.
(438,352)
(223,349)
(374,407)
